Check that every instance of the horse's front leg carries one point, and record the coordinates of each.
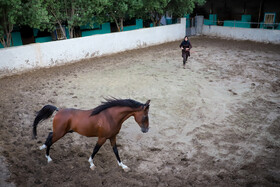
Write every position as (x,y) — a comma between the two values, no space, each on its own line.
(99,143)
(115,149)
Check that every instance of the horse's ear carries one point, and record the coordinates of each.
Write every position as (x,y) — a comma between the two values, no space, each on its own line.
(147,105)
(148,102)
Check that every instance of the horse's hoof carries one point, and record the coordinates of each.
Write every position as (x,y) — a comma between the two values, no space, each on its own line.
(124,167)
(43,147)
(49,158)
(127,169)
(92,167)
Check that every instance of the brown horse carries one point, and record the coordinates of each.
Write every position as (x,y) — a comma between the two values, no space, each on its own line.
(104,122)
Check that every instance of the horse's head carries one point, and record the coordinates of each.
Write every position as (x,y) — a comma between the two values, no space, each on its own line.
(142,118)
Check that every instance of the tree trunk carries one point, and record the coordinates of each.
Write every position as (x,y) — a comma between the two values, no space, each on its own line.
(8,28)
(8,39)
(260,10)
(117,23)
(158,22)
(155,18)
(62,30)
(9,34)
(71,32)
(71,27)
(2,42)
(121,20)
(60,25)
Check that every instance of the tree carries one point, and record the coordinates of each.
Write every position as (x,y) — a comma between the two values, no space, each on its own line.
(74,13)
(48,14)
(119,10)
(178,8)
(32,13)
(155,9)
(35,15)
(10,12)
(57,15)
(83,12)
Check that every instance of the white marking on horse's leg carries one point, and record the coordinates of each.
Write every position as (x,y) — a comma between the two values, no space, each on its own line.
(43,147)
(49,158)
(124,167)
(92,166)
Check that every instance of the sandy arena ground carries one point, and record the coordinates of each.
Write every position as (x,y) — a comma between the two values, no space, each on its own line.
(216,123)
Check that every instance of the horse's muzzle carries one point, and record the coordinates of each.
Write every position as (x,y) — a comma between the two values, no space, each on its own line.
(144,130)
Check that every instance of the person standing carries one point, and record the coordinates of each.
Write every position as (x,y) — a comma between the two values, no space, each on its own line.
(186,47)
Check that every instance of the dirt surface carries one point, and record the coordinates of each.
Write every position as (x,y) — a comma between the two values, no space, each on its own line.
(215,123)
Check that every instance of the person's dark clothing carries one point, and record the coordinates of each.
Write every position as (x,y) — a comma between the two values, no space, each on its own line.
(185,53)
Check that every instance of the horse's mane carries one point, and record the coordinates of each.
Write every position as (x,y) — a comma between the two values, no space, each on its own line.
(108,103)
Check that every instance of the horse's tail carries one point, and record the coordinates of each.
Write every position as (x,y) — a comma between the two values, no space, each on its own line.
(43,114)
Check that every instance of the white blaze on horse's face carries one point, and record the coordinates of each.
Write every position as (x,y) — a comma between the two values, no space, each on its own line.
(142,117)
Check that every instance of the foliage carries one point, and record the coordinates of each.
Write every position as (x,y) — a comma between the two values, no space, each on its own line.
(178,8)
(35,15)
(74,13)
(155,9)
(119,10)
(10,12)
(55,14)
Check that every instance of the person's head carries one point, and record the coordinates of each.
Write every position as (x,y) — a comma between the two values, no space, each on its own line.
(186,38)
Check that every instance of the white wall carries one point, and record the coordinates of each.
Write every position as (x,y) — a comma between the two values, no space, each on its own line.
(27,57)
(253,34)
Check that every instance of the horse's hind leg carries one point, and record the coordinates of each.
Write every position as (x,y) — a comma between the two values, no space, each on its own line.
(99,143)
(115,149)
(47,145)
(51,139)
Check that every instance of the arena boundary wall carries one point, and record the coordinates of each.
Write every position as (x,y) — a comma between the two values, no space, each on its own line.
(252,34)
(19,59)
